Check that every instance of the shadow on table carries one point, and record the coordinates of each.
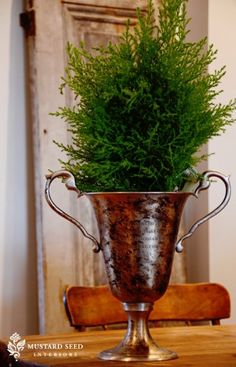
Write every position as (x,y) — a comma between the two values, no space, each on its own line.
(9,361)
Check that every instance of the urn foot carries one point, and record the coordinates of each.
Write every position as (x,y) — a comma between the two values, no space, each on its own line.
(137,344)
(123,353)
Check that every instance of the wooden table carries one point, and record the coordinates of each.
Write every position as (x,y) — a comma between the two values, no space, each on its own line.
(206,346)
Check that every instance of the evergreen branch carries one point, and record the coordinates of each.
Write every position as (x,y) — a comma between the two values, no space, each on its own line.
(143,107)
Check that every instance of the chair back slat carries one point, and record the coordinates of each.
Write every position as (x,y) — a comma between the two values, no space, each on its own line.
(96,306)
(193,302)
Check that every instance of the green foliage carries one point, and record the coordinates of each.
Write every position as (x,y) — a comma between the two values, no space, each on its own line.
(145,106)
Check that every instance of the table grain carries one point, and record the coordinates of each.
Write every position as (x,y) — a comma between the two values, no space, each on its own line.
(206,346)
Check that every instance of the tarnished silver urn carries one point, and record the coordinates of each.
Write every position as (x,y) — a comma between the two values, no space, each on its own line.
(138,238)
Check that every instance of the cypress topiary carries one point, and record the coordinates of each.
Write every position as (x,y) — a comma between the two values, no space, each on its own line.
(143,107)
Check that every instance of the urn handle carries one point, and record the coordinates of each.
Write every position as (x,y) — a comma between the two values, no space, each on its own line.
(203,185)
(69,181)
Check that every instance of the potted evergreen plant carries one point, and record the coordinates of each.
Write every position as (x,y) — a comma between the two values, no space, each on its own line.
(143,108)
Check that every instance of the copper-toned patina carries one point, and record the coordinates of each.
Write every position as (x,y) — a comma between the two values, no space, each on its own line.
(138,235)
(138,232)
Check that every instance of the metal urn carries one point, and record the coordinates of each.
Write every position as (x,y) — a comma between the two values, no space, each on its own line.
(138,238)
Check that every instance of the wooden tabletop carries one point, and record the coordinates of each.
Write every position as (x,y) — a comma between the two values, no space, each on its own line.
(206,346)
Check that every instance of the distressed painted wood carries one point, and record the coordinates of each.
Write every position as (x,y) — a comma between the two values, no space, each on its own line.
(64,255)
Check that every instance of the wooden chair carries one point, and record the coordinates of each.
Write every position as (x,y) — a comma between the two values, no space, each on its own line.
(96,306)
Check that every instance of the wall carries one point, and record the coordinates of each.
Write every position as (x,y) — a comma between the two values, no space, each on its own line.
(197,246)
(222,230)
(18,300)
(211,250)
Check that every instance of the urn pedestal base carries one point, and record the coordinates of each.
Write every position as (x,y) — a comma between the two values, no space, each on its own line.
(137,344)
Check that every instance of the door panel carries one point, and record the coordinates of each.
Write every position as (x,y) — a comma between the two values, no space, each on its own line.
(64,255)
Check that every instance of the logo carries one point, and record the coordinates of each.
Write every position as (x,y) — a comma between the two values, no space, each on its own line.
(15,345)
(59,350)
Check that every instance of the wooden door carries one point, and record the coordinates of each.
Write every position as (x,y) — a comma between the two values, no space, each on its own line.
(64,255)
